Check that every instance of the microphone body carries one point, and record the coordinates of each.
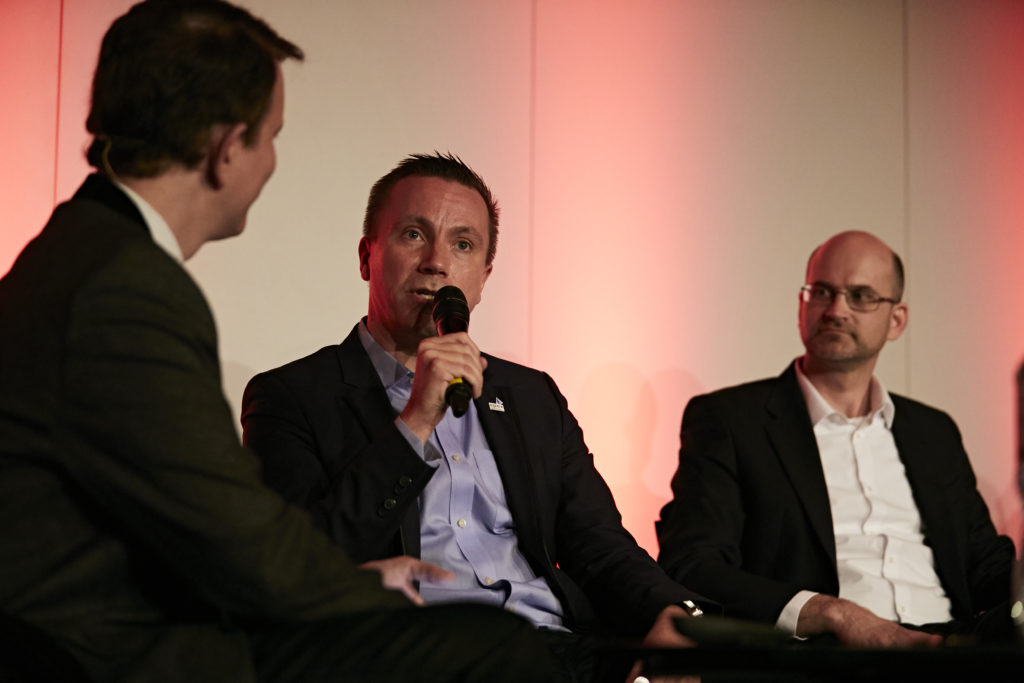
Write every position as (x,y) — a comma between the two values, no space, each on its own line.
(451,314)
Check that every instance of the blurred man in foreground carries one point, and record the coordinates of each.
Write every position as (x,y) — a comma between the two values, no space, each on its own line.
(137,534)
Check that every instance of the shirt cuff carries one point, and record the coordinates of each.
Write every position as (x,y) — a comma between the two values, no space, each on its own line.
(427,452)
(790,615)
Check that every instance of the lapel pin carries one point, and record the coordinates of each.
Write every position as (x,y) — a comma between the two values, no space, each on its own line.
(497,406)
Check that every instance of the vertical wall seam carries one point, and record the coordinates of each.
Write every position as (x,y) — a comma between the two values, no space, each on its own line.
(531,199)
(56,127)
(907,241)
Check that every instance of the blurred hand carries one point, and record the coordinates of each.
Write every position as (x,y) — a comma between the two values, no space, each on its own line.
(399,573)
(663,634)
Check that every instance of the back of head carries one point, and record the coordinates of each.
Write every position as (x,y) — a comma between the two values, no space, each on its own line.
(171,70)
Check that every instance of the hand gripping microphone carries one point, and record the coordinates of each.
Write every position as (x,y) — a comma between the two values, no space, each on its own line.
(451,314)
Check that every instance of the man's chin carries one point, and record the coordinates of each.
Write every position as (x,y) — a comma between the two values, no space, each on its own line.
(833,348)
(424,325)
(836,359)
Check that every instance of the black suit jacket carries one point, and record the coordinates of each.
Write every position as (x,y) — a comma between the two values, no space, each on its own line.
(750,523)
(136,528)
(325,431)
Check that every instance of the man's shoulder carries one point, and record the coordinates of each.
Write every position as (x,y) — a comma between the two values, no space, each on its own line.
(83,231)
(916,411)
(505,371)
(309,368)
(756,391)
(86,248)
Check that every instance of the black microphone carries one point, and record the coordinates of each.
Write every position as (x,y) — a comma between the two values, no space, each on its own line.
(451,314)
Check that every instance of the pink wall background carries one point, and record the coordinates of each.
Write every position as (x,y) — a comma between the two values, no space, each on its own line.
(664,166)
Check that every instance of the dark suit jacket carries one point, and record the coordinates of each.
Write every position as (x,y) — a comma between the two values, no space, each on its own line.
(135,526)
(325,431)
(750,523)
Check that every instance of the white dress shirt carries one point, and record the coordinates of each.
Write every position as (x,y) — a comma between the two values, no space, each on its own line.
(158,228)
(884,564)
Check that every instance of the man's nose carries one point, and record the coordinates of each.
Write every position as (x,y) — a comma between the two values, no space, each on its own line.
(436,259)
(839,307)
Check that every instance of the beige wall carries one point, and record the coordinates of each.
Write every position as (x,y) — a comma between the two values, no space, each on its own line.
(664,168)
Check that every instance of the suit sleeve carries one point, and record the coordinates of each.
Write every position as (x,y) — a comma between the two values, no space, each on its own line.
(624,583)
(703,529)
(148,438)
(358,486)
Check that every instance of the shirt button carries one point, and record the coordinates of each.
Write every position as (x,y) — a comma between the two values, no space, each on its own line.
(457,458)
(903,609)
(488,580)
(461,523)
(891,560)
(390,503)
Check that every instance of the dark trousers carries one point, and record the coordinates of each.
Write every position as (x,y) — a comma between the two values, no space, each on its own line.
(457,643)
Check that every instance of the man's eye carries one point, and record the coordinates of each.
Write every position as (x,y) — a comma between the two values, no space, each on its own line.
(863,296)
(463,245)
(821,292)
(412,233)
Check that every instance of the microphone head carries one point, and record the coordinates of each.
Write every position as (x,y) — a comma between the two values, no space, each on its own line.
(451,311)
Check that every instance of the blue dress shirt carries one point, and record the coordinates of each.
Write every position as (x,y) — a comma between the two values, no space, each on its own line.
(465,523)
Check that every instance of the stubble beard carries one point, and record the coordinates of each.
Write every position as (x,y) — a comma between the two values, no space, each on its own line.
(845,351)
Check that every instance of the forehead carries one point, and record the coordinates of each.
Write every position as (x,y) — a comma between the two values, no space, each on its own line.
(437,201)
(849,263)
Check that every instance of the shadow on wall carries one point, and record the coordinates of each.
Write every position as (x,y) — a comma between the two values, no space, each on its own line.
(631,424)
(234,378)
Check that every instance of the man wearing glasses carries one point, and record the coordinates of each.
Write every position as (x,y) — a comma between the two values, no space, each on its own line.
(819,502)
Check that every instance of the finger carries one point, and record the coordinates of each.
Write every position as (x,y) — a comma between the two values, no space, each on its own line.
(445,364)
(431,572)
(411,593)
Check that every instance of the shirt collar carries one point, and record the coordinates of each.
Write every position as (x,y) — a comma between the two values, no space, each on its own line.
(818,408)
(388,368)
(158,228)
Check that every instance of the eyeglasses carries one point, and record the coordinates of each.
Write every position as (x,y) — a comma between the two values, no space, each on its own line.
(862,299)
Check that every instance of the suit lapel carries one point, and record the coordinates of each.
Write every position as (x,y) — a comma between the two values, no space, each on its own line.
(792,436)
(499,412)
(362,390)
(920,460)
(366,398)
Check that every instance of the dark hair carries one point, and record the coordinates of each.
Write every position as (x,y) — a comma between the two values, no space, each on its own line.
(170,70)
(436,165)
(897,277)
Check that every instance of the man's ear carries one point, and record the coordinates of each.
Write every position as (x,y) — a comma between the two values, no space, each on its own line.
(898,321)
(222,156)
(364,258)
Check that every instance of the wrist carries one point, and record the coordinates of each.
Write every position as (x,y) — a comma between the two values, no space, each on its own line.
(421,429)
(821,613)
